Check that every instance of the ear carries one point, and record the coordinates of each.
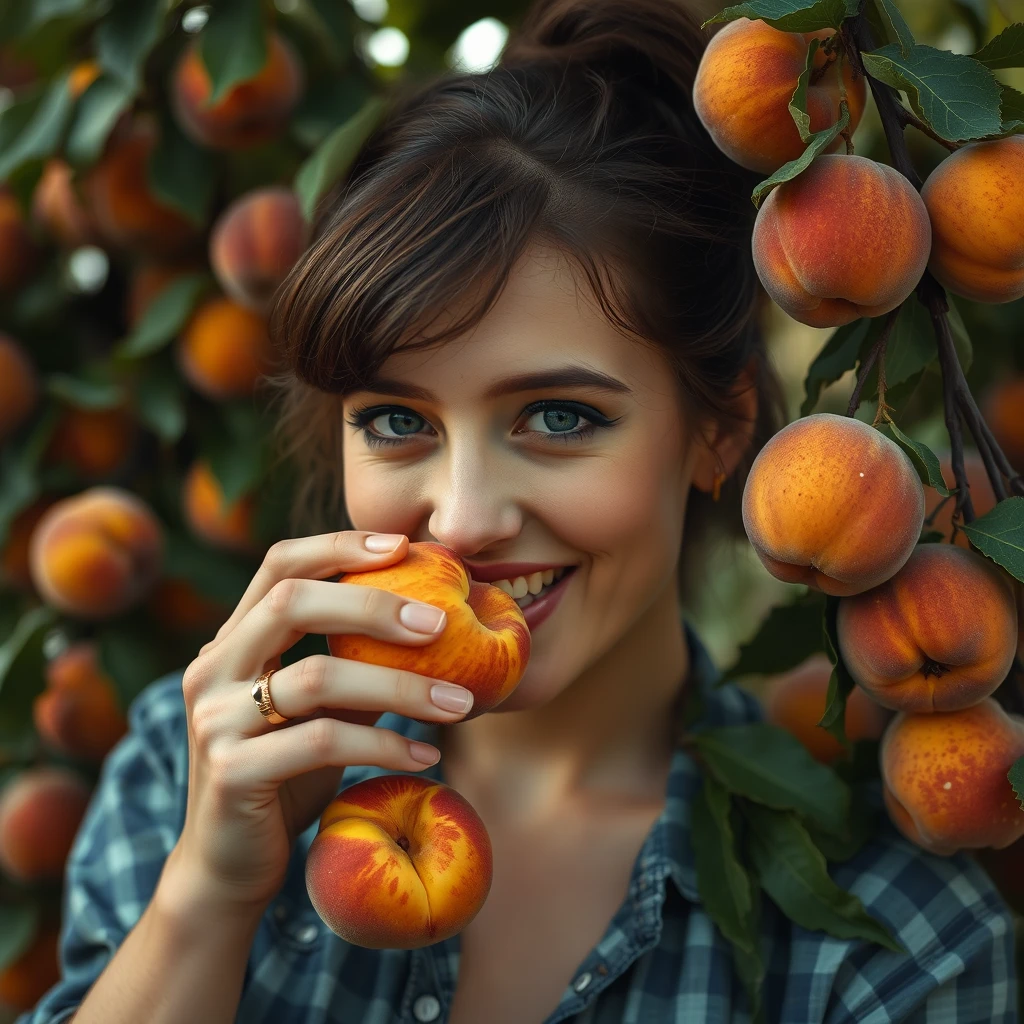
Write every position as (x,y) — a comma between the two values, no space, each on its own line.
(728,443)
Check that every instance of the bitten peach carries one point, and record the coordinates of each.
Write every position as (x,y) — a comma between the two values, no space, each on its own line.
(213,519)
(484,645)
(250,112)
(255,242)
(975,199)
(847,238)
(944,776)
(1003,409)
(19,386)
(982,496)
(745,81)
(79,713)
(40,811)
(796,700)
(940,635)
(399,862)
(832,503)
(96,553)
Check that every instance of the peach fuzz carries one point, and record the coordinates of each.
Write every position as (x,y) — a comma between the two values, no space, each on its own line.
(944,775)
(79,713)
(796,701)
(24,981)
(982,497)
(209,517)
(1003,409)
(975,199)
(96,553)
(224,350)
(40,811)
(58,208)
(399,862)
(485,643)
(96,442)
(745,81)
(847,238)
(251,112)
(19,386)
(832,503)
(255,242)
(19,253)
(939,636)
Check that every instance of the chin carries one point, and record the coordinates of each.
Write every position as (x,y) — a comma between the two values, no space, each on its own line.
(534,691)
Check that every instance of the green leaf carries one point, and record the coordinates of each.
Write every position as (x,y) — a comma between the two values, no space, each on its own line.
(31,129)
(128,656)
(840,683)
(952,93)
(22,670)
(898,398)
(219,575)
(182,174)
(233,44)
(165,316)
(19,923)
(791,15)
(334,156)
(798,104)
(84,393)
(1006,50)
(789,635)
(925,461)
(1016,777)
(910,348)
(861,819)
(893,20)
(19,468)
(768,765)
(125,37)
(792,871)
(819,141)
(1011,106)
(999,534)
(837,357)
(95,116)
(160,399)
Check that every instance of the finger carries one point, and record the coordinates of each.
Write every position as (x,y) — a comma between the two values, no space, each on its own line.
(295,607)
(321,682)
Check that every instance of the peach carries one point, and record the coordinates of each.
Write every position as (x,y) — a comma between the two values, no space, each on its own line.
(224,350)
(796,700)
(847,238)
(19,253)
(251,112)
(210,517)
(19,386)
(79,713)
(484,645)
(25,980)
(1003,409)
(982,496)
(832,503)
(940,635)
(59,210)
(745,81)
(40,811)
(14,566)
(96,553)
(255,242)
(399,862)
(976,204)
(96,442)
(944,776)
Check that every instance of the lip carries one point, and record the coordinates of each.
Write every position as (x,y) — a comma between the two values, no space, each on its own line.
(508,570)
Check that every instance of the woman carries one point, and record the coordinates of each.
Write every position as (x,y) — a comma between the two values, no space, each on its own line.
(527,330)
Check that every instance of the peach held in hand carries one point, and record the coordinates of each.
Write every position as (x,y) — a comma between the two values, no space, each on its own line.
(939,636)
(833,503)
(485,644)
(399,862)
(846,238)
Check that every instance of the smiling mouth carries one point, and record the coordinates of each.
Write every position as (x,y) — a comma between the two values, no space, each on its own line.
(525,602)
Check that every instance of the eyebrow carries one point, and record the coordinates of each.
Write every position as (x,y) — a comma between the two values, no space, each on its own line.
(562,377)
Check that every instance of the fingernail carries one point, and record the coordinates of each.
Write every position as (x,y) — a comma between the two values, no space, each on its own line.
(422,618)
(424,752)
(451,697)
(380,543)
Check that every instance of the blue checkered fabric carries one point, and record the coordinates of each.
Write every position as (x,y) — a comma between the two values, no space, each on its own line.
(660,959)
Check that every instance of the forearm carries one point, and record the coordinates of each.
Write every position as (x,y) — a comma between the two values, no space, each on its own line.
(178,965)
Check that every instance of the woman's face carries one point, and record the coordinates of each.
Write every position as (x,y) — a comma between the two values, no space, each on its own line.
(575,475)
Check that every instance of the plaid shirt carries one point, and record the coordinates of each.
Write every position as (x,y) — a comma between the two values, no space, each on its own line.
(659,960)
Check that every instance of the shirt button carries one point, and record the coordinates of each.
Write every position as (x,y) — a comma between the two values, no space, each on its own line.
(308,933)
(426,1008)
(582,981)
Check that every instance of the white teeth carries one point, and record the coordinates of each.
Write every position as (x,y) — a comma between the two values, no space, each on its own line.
(520,587)
(535,582)
(503,585)
(532,584)
(549,576)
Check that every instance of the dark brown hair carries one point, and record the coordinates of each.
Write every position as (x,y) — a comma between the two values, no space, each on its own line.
(583,137)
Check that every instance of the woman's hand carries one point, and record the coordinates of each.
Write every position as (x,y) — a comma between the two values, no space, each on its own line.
(254,787)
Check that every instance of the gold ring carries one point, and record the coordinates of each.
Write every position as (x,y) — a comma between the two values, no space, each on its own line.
(261,694)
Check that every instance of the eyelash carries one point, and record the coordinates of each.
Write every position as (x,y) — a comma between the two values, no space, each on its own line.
(361,418)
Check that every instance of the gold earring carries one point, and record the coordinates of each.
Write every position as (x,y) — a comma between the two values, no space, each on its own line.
(716,492)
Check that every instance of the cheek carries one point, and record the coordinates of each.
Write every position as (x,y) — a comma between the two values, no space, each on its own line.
(377,498)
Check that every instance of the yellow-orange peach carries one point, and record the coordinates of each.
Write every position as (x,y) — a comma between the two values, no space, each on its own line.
(251,112)
(484,645)
(58,209)
(1003,409)
(176,604)
(19,254)
(255,242)
(14,567)
(40,811)
(25,980)
(976,204)
(225,351)
(19,386)
(79,713)
(982,496)
(96,442)
(745,82)
(939,635)
(832,503)
(96,553)
(210,517)
(796,700)
(944,776)
(847,238)
(399,862)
